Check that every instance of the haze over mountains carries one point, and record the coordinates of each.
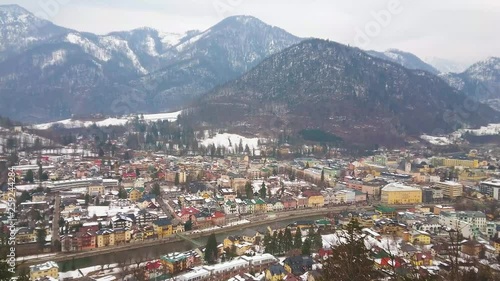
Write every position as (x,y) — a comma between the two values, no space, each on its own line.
(49,72)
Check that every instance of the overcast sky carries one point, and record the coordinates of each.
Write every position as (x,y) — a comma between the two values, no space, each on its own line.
(460,30)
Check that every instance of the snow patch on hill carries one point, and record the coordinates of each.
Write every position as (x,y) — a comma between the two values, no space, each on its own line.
(437,140)
(71,124)
(490,130)
(230,141)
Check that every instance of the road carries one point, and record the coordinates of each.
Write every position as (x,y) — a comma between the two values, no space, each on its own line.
(55,219)
(254,221)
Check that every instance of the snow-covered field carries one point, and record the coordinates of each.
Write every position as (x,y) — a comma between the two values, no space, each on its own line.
(70,123)
(230,141)
(436,140)
(490,130)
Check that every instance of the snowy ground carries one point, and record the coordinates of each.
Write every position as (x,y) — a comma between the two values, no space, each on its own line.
(436,140)
(230,141)
(70,123)
(490,130)
(33,257)
(240,222)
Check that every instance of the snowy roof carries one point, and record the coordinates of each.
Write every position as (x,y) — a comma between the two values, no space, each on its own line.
(399,187)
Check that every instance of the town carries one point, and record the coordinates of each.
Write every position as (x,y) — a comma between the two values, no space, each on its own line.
(247,209)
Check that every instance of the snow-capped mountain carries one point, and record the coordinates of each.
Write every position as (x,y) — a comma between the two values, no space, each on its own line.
(480,81)
(212,57)
(20,30)
(49,72)
(446,66)
(405,59)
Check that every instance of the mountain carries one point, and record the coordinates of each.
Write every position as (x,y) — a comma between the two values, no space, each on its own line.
(210,58)
(49,72)
(405,59)
(20,30)
(339,90)
(481,81)
(446,66)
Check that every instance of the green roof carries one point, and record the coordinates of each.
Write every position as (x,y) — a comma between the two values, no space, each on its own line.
(323,222)
(385,209)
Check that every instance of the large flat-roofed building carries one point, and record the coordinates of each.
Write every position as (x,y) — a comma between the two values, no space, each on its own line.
(475,218)
(461,163)
(450,189)
(490,188)
(398,193)
(76,183)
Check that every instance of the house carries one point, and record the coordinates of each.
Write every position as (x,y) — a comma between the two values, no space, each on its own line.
(94,190)
(230,207)
(88,241)
(302,202)
(251,236)
(121,221)
(421,259)
(48,269)
(230,241)
(278,206)
(276,272)
(163,227)
(289,203)
(135,193)
(218,218)
(298,265)
(472,248)
(145,217)
(314,199)
(122,235)
(417,237)
(25,235)
(174,262)
(260,206)
(105,237)
(188,213)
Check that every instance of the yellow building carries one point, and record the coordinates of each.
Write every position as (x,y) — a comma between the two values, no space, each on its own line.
(314,199)
(417,237)
(48,269)
(230,241)
(174,263)
(121,236)
(496,243)
(276,272)
(461,163)
(135,193)
(400,194)
(163,228)
(105,237)
(95,190)
(25,235)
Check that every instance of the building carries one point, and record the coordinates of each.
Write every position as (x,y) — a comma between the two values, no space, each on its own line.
(475,218)
(450,189)
(105,237)
(175,262)
(461,163)
(48,269)
(314,199)
(397,193)
(95,190)
(490,188)
(163,227)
